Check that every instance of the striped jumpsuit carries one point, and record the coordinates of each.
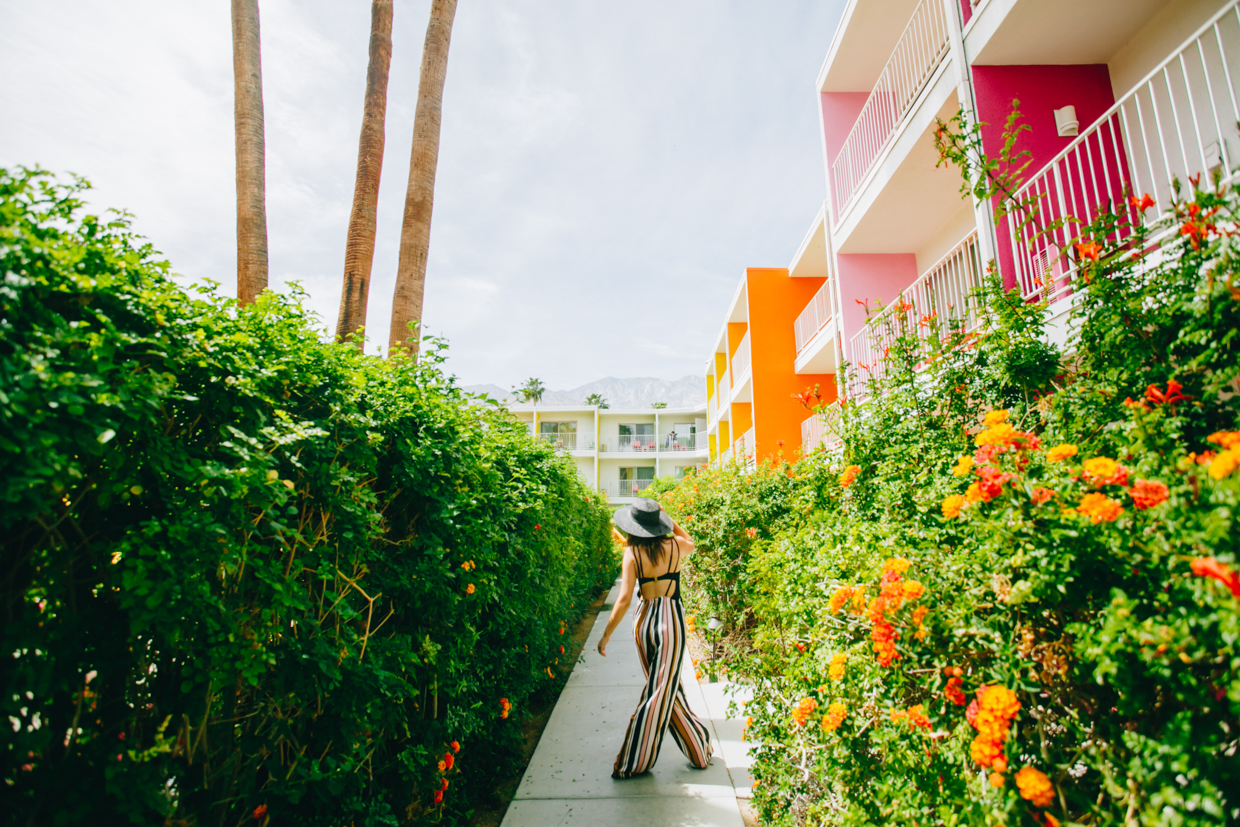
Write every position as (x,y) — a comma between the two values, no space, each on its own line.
(659,628)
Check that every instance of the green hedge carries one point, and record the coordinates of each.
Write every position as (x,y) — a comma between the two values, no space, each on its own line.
(1012,599)
(249,574)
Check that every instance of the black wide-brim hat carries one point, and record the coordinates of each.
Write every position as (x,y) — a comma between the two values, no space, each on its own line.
(643,518)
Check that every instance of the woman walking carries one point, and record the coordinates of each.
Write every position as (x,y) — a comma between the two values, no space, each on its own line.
(652,565)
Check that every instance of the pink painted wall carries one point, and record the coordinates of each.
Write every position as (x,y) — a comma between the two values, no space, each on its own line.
(966,12)
(839,113)
(871,276)
(1040,90)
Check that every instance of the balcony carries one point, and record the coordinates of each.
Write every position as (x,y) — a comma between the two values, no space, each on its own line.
(1179,122)
(712,408)
(650,444)
(821,430)
(941,298)
(920,50)
(816,315)
(740,359)
(567,442)
(625,489)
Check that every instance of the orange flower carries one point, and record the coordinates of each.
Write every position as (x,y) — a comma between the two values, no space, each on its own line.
(449,759)
(882,633)
(1148,493)
(963,466)
(834,717)
(917,717)
(839,597)
(1042,495)
(896,565)
(994,418)
(444,785)
(996,707)
(850,474)
(803,710)
(1089,250)
(974,493)
(456,747)
(953,692)
(952,504)
(919,614)
(438,797)
(835,671)
(1035,787)
(751,533)
(1210,567)
(1226,462)
(1225,439)
(470,589)
(1100,469)
(1051,821)
(442,766)
(912,589)
(1100,508)
(260,812)
(1171,397)
(504,707)
(1061,452)
(1000,434)
(1143,203)
(997,780)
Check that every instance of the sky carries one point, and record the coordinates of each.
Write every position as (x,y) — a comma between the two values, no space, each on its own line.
(606,170)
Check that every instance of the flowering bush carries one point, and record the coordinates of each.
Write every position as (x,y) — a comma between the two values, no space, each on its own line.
(248,574)
(1069,652)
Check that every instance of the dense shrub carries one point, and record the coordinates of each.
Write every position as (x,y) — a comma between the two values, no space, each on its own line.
(1015,599)
(249,574)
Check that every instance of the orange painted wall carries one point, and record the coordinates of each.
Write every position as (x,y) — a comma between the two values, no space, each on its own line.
(742,419)
(736,332)
(775,300)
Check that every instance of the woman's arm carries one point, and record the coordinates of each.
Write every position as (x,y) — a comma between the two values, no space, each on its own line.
(681,535)
(628,579)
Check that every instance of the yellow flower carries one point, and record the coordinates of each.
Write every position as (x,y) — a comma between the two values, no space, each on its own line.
(963,466)
(469,589)
(1000,434)
(1061,452)
(974,493)
(1226,462)
(896,565)
(994,418)
(911,589)
(1101,468)
(952,505)
(836,670)
(834,717)
(1035,787)
(1225,439)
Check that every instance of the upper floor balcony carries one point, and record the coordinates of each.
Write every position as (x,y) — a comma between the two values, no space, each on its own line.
(668,443)
(567,441)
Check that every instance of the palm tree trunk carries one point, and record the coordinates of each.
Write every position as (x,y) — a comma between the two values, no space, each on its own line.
(415,233)
(359,250)
(251,153)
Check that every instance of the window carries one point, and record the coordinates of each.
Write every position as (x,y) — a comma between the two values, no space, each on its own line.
(559,434)
(637,437)
(633,481)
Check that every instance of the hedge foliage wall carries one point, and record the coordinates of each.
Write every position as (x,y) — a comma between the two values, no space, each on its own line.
(1011,597)
(249,576)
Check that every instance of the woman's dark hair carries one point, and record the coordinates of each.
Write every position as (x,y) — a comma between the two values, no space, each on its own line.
(651,545)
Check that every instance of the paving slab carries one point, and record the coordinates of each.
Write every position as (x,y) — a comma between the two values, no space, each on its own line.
(569,778)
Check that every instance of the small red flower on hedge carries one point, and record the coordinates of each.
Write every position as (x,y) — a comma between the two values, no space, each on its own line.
(1143,203)
(260,812)
(444,786)
(455,746)
(537,526)
(1089,250)
(504,707)
(448,759)
(955,693)
(1042,495)
(438,796)
(1171,397)
(1148,493)
(751,533)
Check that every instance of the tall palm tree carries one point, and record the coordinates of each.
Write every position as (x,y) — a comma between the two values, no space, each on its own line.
(415,232)
(251,152)
(359,249)
(532,391)
(597,399)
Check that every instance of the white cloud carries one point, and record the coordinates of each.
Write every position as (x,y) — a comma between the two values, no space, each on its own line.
(606,170)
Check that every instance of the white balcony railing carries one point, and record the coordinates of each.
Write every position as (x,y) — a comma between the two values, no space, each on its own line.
(619,489)
(568,442)
(712,408)
(741,358)
(921,48)
(1181,121)
(939,299)
(821,430)
(679,443)
(635,443)
(816,315)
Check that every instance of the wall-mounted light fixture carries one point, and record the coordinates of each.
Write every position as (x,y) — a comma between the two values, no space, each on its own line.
(1066,123)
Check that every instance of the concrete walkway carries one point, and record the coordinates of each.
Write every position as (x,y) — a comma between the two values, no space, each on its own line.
(569,779)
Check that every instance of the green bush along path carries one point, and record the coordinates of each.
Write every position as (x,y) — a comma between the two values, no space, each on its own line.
(1011,597)
(250,576)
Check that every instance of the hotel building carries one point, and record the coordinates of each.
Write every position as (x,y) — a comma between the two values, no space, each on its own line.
(621,451)
(1121,97)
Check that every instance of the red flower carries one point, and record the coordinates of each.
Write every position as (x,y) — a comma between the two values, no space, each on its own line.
(955,694)
(1148,493)
(537,526)
(1089,250)
(1197,225)
(1042,495)
(751,533)
(1209,567)
(260,812)
(1143,203)
(444,786)
(448,760)
(455,746)
(438,796)
(1171,397)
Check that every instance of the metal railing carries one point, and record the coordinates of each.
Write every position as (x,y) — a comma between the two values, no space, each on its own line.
(741,358)
(921,48)
(745,444)
(712,408)
(568,442)
(678,443)
(618,489)
(1179,122)
(816,315)
(632,443)
(822,429)
(940,299)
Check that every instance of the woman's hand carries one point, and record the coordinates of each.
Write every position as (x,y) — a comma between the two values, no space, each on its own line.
(602,645)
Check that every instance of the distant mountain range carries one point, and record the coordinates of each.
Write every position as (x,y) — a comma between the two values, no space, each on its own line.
(686,392)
